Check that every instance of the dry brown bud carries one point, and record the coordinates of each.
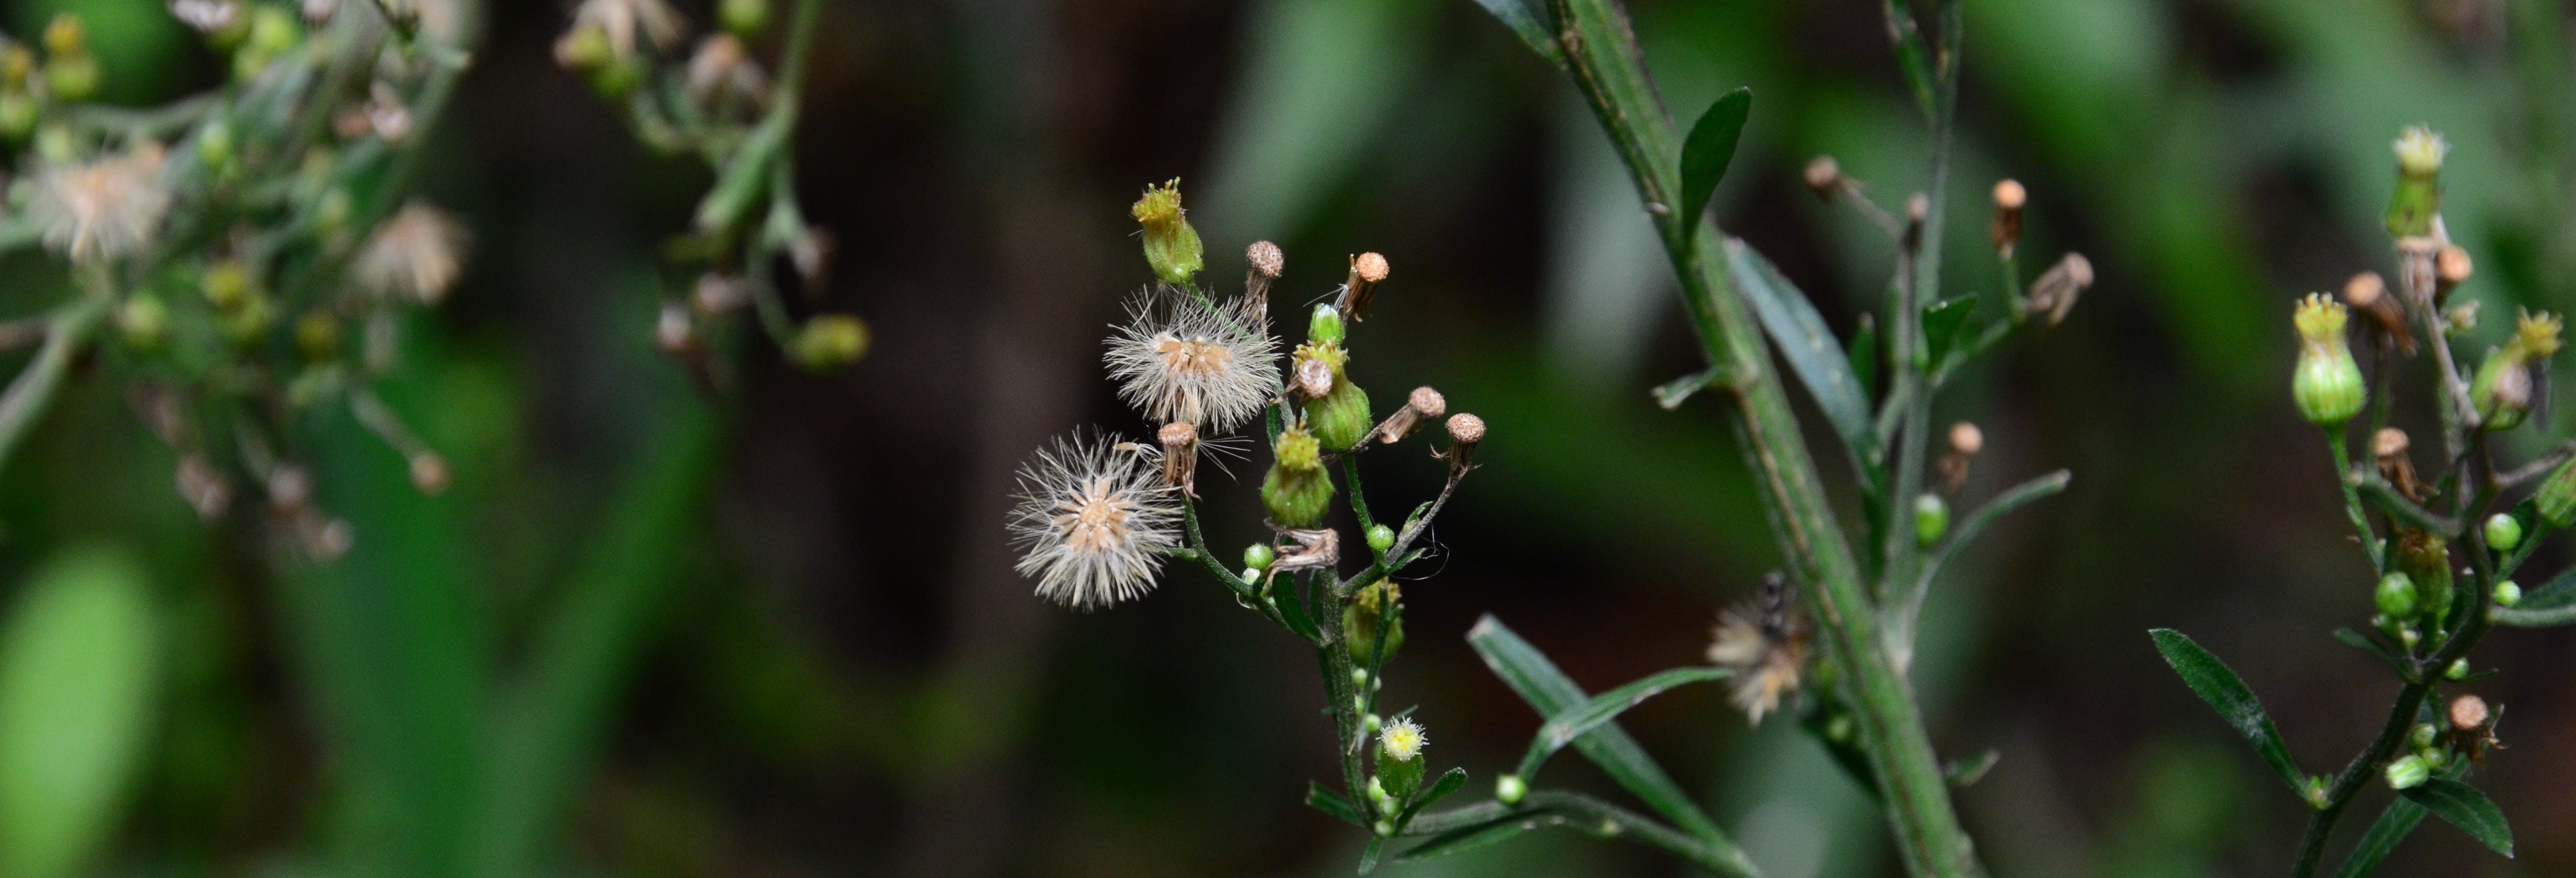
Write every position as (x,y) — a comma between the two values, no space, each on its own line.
(1370,267)
(2388,447)
(1367,270)
(2009,197)
(203,486)
(1427,402)
(1824,175)
(429,472)
(2468,713)
(2368,293)
(2415,257)
(2452,267)
(1180,440)
(1424,404)
(1965,438)
(2057,288)
(1466,428)
(1266,258)
(2389,442)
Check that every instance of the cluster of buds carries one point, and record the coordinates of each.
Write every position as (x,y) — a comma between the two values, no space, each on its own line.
(721,106)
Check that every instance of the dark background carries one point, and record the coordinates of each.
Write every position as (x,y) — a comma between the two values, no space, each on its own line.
(850,680)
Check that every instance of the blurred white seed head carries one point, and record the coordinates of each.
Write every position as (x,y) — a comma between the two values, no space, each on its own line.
(721,70)
(1764,643)
(418,254)
(1179,359)
(1403,739)
(1093,520)
(206,16)
(106,208)
(624,21)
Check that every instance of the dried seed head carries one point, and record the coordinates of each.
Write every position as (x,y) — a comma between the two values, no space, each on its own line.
(1824,175)
(1765,643)
(104,209)
(1371,267)
(1266,258)
(1423,405)
(2365,289)
(2415,258)
(2056,290)
(1427,402)
(2009,197)
(429,472)
(1367,270)
(1180,441)
(2468,713)
(1466,429)
(2389,442)
(417,255)
(1965,438)
(1182,359)
(1093,521)
(289,488)
(2368,293)
(2451,266)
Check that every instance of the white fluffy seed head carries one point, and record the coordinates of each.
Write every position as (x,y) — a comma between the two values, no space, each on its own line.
(1093,519)
(418,254)
(1181,359)
(106,208)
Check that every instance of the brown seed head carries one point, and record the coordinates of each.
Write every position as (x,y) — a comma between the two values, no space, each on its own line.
(1918,207)
(1178,434)
(2468,713)
(1427,402)
(289,487)
(1370,267)
(2452,266)
(1266,258)
(1965,438)
(2388,442)
(429,472)
(2364,289)
(1466,428)
(2057,288)
(2009,195)
(1824,175)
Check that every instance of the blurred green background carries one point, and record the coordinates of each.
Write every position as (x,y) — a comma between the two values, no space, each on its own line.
(789,640)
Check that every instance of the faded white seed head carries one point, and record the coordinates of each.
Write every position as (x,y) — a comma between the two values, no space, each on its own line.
(206,16)
(1180,359)
(418,254)
(105,209)
(1093,520)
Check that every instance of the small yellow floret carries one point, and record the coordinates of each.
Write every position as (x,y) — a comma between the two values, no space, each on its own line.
(2537,334)
(2320,320)
(1403,740)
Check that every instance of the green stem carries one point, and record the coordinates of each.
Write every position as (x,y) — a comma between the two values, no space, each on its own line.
(33,390)
(1606,64)
(2352,502)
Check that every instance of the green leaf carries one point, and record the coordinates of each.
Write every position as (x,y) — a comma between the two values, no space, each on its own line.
(2360,641)
(1368,856)
(1965,773)
(1329,802)
(2224,691)
(1471,837)
(2467,809)
(1670,394)
(2553,603)
(1449,782)
(1570,724)
(1942,324)
(1863,353)
(78,666)
(1708,150)
(1975,524)
(1537,681)
(2393,825)
(1529,26)
(1810,348)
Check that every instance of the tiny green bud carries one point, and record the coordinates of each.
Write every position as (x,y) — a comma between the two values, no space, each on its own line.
(226,284)
(1364,615)
(246,323)
(2503,532)
(1252,575)
(1931,519)
(1259,555)
(1839,729)
(18,113)
(1377,790)
(2316,791)
(72,78)
(1509,789)
(55,144)
(1371,723)
(2396,596)
(2423,735)
(1296,492)
(1326,326)
(317,335)
(1381,538)
(144,321)
(1384,828)
(2459,669)
(1359,676)
(745,18)
(2507,593)
(2406,772)
(1172,247)
(829,341)
(2426,559)
(2327,384)
(2410,636)
(2434,758)
(215,142)
(2502,390)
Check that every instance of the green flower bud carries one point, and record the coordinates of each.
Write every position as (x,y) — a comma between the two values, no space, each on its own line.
(1325,327)
(2426,559)
(2407,772)
(2396,596)
(2433,758)
(144,321)
(2503,532)
(829,341)
(2317,795)
(1399,758)
(226,285)
(2459,670)
(273,33)
(215,142)
(1931,519)
(317,335)
(2419,194)
(2503,386)
(1296,492)
(2327,385)
(1383,828)
(247,322)
(1171,247)
(72,78)
(584,49)
(2556,498)
(65,35)
(1509,789)
(18,114)
(1362,617)
(2507,593)
(1381,538)
(2423,735)
(1259,555)
(745,18)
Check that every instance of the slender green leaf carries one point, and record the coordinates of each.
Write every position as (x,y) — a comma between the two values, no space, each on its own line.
(2553,603)
(1862,351)
(1708,150)
(1806,343)
(1530,25)
(1974,525)
(2467,809)
(2393,825)
(1943,323)
(1670,394)
(1537,681)
(1292,607)
(2225,692)
(2360,641)
(1368,855)
(1329,802)
(1911,57)
(1472,836)
(1449,782)
(77,672)
(1570,724)
(1965,773)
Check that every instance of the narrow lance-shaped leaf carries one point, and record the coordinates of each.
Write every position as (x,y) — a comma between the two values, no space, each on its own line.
(2467,809)
(1528,25)
(1329,802)
(1708,150)
(2393,825)
(2553,603)
(2225,692)
(1537,681)
(1449,782)
(1943,322)
(1568,725)
(1810,348)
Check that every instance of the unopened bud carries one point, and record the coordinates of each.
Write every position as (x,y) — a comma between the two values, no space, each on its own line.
(1509,788)
(1259,555)
(1381,538)
(2407,772)
(2423,735)
(2459,670)
(2009,198)
(1266,258)
(745,18)
(2327,385)
(2503,532)
(2396,595)
(2502,390)
(1931,519)
(829,341)
(2507,593)
(1296,492)
(2468,713)
(144,321)
(429,472)
(1824,175)
(1325,326)
(1172,247)
(2056,290)
(2426,560)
